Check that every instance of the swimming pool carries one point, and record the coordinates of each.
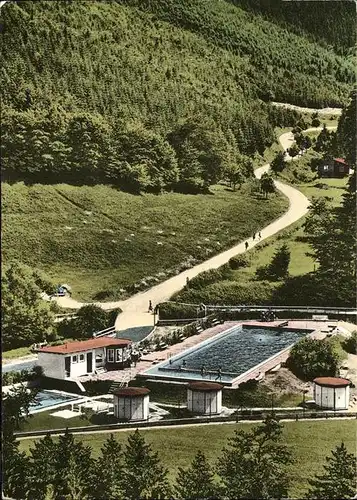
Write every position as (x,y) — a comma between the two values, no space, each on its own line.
(46,399)
(228,355)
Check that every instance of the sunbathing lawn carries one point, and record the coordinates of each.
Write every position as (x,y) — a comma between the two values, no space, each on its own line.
(309,441)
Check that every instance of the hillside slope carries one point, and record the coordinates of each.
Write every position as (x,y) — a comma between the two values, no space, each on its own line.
(102,241)
(98,69)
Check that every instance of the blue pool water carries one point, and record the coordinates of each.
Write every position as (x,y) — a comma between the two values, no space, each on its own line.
(234,353)
(46,399)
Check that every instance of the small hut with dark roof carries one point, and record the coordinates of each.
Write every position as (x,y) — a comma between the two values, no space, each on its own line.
(131,403)
(204,397)
(332,392)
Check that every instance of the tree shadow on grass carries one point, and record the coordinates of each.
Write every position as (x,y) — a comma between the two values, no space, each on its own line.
(103,419)
(315,289)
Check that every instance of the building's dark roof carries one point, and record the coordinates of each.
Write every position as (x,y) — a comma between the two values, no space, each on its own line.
(131,392)
(340,160)
(332,381)
(205,386)
(85,345)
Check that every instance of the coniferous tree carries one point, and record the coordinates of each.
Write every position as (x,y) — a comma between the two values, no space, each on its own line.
(73,465)
(14,410)
(109,471)
(42,470)
(279,266)
(197,481)
(143,475)
(254,464)
(339,481)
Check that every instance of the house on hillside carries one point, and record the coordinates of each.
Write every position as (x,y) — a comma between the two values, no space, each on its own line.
(78,358)
(337,167)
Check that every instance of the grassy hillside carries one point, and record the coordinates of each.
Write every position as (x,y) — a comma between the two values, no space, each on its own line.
(241,286)
(309,442)
(101,240)
(144,96)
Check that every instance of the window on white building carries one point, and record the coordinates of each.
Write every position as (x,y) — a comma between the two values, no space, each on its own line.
(75,359)
(119,356)
(111,355)
(81,358)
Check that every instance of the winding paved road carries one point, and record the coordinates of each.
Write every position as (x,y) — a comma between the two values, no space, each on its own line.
(135,308)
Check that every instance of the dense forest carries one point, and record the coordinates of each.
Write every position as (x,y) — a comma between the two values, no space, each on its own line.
(157,95)
(311,19)
(329,230)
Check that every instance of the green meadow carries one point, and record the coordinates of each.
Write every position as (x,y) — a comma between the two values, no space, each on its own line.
(309,442)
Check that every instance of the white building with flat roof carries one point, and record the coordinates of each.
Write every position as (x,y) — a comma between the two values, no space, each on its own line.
(74,359)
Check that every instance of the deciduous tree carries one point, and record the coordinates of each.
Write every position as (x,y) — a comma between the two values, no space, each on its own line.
(278,164)
(267,184)
(26,318)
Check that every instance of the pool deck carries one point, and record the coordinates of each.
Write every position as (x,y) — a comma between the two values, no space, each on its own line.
(319,330)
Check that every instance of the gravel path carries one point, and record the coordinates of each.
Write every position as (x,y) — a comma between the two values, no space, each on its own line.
(178,426)
(135,308)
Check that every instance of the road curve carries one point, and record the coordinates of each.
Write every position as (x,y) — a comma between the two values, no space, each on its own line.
(135,308)
(322,111)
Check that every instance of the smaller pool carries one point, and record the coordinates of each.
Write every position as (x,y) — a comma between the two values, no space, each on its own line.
(47,399)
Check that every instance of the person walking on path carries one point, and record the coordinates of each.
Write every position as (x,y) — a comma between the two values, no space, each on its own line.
(150,307)
(246,245)
(260,235)
(253,236)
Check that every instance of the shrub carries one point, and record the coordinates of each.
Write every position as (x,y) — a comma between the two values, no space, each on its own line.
(239,261)
(310,358)
(293,150)
(232,293)
(13,377)
(350,344)
(172,310)
(209,277)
